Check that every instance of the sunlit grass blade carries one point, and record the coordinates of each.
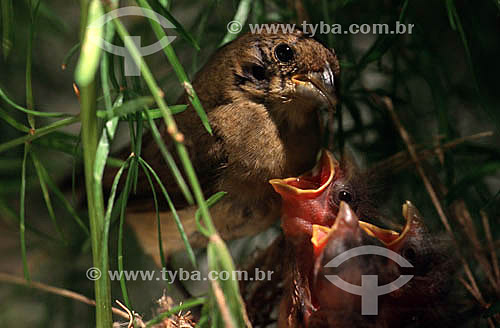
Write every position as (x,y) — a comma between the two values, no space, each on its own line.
(46,193)
(226,291)
(90,53)
(178,69)
(7,24)
(240,17)
(12,121)
(177,220)
(22,226)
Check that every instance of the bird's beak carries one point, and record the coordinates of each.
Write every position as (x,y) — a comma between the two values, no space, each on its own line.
(395,240)
(318,85)
(346,222)
(307,196)
(309,184)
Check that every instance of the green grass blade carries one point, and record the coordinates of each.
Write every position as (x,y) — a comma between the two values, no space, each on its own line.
(126,193)
(164,11)
(177,220)
(12,121)
(154,113)
(109,211)
(157,212)
(85,76)
(240,17)
(31,37)
(39,133)
(129,107)
(22,226)
(210,202)
(58,193)
(170,160)
(30,111)
(70,55)
(90,53)
(46,194)
(178,69)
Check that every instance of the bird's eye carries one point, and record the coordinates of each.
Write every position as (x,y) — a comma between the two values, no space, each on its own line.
(258,72)
(284,53)
(345,195)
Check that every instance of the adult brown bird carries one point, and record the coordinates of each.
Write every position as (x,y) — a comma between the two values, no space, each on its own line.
(262,93)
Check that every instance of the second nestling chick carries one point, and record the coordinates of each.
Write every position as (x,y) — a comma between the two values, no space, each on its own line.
(262,93)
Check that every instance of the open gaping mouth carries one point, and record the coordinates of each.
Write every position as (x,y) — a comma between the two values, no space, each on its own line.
(314,185)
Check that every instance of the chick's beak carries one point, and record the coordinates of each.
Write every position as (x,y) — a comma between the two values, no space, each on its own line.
(318,85)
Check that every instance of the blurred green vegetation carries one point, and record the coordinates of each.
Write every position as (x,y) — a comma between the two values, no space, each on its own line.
(442,79)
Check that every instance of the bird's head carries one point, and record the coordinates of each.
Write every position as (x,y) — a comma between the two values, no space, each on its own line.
(291,73)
